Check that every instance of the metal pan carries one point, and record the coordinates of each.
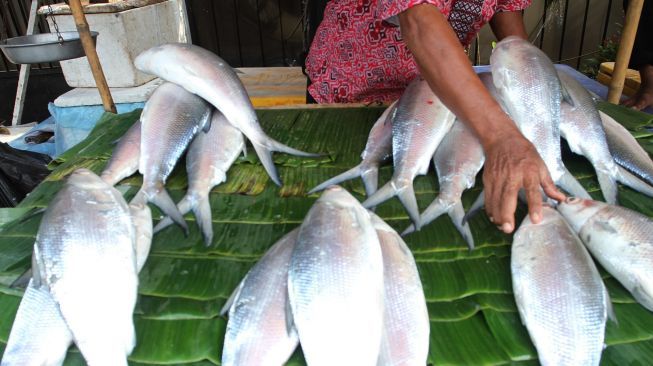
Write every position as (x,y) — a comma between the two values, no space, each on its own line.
(43,47)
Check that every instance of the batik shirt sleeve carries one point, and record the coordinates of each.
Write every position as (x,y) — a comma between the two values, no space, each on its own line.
(389,9)
(512,5)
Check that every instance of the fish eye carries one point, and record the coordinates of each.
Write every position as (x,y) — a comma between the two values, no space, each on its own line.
(573,200)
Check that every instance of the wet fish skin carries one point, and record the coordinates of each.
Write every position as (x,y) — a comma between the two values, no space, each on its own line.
(203,73)
(559,293)
(209,157)
(39,335)
(377,149)
(420,123)
(406,325)
(125,157)
(581,126)
(335,283)
(257,331)
(457,161)
(531,91)
(626,151)
(84,255)
(620,239)
(171,118)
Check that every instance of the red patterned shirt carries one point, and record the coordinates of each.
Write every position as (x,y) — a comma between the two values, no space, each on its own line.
(358,54)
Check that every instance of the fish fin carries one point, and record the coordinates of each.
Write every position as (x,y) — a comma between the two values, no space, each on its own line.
(385,193)
(184,207)
(232,298)
(163,201)
(206,126)
(643,297)
(632,181)
(571,185)
(608,186)
(407,197)
(265,156)
(410,229)
(434,210)
(349,174)
(244,150)
(36,268)
(202,211)
(290,320)
(566,97)
(238,71)
(371,180)
(457,213)
(139,198)
(23,280)
(475,208)
(142,221)
(608,306)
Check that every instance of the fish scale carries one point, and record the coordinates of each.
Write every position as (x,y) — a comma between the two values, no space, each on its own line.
(530,89)
(335,283)
(559,293)
(418,126)
(620,239)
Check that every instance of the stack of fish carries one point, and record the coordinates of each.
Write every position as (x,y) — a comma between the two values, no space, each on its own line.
(88,251)
(343,284)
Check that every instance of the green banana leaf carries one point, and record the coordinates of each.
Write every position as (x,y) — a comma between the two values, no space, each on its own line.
(183,286)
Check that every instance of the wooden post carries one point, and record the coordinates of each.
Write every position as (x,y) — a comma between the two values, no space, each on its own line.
(23,77)
(91,55)
(625,50)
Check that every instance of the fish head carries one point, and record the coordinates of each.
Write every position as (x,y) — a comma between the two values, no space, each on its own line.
(157,60)
(578,210)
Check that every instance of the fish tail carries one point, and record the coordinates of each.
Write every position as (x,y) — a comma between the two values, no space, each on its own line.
(408,230)
(457,213)
(274,145)
(476,207)
(265,156)
(202,211)
(349,174)
(407,197)
(371,180)
(183,206)
(435,210)
(571,185)
(385,193)
(608,185)
(162,200)
(633,181)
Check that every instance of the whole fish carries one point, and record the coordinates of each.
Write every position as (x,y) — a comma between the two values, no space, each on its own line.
(581,126)
(207,161)
(418,126)
(559,293)
(39,335)
(457,161)
(125,157)
(84,255)
(203,73)
(620,239)
(406,325)
(377,150)
(530,89)
(335,283)
(257,332)
(625,149)
(171,118)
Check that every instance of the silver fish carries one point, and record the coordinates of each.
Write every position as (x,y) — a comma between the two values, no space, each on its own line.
(559,293)
(203,73)
(171,118)
(418,127)
(39,335)
(84,255)
(377,150)
(335,283)
(257,331)
(207,161)
(529,86)
(142,221)
(406,325)
(126,156)
(581,126)
(457,161)
(626,151)
(620,239)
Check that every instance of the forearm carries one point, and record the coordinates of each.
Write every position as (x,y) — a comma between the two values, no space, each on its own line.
(448,71)
(508,23)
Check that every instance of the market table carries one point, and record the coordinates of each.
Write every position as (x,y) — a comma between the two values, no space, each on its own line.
(184,284)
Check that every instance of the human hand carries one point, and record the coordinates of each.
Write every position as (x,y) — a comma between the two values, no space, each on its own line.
(512,163)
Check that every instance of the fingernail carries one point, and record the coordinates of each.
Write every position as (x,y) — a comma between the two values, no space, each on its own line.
(507,227)
(536,217)
(491,219)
